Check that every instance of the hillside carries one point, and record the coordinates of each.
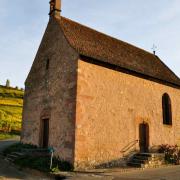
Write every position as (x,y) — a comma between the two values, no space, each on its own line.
(11,103)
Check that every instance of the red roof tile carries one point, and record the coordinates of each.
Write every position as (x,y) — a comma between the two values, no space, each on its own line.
(91,43)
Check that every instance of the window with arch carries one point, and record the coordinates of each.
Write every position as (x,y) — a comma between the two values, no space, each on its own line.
(167,110)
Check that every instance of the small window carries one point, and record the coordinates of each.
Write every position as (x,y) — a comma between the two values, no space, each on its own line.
(167,111)
(47,64)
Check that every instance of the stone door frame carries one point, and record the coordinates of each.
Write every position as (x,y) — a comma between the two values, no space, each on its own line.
(144,137)
(45,116)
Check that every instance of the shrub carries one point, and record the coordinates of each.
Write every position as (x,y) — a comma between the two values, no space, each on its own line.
(62,165)
(42,163)
(18,148)
(38,160)
(172,153)
(39,163)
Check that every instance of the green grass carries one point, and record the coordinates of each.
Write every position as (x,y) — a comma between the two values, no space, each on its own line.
(11,102)
(10,117)
(10,112)
(11,92)
(4,136)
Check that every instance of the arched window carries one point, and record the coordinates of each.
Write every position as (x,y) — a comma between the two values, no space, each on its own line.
(167,112)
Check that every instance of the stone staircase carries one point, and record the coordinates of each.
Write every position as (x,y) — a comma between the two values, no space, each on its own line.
(13,156)
(27,152)
(147,160)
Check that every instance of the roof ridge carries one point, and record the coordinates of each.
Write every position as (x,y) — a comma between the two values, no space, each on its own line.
(109,36)
(98,45)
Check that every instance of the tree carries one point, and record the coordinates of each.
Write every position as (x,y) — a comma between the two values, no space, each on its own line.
(8,83)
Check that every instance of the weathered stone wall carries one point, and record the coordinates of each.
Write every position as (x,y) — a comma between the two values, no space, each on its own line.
(51,93)
(110,107)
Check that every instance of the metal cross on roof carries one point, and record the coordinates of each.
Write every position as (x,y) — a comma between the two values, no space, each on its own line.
(154,49)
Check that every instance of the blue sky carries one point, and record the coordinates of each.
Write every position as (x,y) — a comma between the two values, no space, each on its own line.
(141,23)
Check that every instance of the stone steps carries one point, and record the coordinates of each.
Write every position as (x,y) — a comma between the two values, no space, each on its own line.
(18,153)
(33,152)
(147,160)
(13,156)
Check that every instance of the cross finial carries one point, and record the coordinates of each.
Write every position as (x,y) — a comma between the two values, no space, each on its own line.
(154,49)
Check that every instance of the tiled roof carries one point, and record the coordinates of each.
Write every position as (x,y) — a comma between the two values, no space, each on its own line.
(91,43)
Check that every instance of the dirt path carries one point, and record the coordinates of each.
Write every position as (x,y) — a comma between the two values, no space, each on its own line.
(8,142)
(10,172)
(163,173)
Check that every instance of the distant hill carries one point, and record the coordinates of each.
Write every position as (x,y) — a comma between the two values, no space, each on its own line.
(11,103)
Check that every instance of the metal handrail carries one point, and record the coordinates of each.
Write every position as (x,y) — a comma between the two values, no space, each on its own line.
(129,146)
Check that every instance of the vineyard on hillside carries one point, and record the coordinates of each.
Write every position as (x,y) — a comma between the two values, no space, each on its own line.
(11,103)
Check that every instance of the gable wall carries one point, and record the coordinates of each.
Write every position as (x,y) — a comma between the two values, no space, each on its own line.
(51,93)
(110,107)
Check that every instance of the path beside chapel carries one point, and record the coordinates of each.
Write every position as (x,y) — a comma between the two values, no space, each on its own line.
(163,173)
(10,172)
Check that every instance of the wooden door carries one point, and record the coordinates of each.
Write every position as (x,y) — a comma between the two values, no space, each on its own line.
(45,133)
(144,137)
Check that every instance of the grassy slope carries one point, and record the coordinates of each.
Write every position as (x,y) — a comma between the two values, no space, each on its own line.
(4,136)
(11,102)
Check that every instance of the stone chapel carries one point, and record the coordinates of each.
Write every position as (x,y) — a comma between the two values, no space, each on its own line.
(94,98)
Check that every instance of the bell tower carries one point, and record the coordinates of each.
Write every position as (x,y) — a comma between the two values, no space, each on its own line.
(55,8)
